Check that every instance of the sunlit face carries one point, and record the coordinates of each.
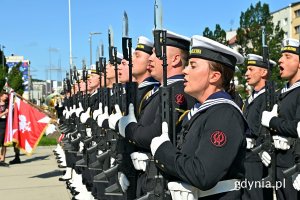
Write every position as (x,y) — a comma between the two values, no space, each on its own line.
(254,75)
(110,71)
(196,77)
(289,65)
(123,71)
(155,66)
(93,81)
(140,63)
(82,86)
(4,97)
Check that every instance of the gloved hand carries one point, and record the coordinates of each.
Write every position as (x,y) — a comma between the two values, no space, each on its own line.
(296,181)
(65,111)
(114,117)
(81,146)
(72,110)
(50,129)
(298,129)
(280,142)
(102,117)
(79,110)
(139,160)
(250,143)
(268,115)
(157,141)
(98,112)
(84,116)
(124,183)
(183,191)
(67,114)
(88,132)
(124,121)
(265,158)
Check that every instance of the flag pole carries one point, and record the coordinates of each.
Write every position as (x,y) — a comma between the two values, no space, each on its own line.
(41,110)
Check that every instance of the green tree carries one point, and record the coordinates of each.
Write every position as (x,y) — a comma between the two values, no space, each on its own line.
(218,35)
(3,70)
(249,39)
(15,80)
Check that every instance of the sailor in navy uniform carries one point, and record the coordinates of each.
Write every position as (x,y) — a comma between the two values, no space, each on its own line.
(256,76)
(284,119)
(148,126)
(209,162)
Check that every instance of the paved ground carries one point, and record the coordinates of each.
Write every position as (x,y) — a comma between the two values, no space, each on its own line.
(36,178)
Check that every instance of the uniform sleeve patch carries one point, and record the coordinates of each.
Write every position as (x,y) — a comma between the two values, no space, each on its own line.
(179,99)
(218,138)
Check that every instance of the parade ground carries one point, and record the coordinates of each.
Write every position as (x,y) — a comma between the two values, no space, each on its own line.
(35,178)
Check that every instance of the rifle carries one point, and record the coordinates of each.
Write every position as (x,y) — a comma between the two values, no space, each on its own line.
(166,108)
(123,147)
(265,132)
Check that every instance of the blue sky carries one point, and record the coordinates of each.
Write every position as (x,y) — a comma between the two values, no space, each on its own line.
(38,29)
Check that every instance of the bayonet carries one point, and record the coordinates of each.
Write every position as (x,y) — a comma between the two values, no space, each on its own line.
(158,15)
(125,25)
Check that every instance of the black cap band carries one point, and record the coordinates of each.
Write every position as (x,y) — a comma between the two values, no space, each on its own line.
(207,54)
(258,63)
(178,43)
(290,49)
(144,48)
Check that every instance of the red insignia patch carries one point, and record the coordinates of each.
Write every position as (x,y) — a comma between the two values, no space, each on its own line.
(179,99)
(218,138)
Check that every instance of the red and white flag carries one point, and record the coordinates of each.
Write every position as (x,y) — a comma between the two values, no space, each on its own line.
(28,126)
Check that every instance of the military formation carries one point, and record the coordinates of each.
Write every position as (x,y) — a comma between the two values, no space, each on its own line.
(162,120)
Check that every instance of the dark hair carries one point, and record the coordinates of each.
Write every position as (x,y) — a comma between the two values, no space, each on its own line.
(3,92)
(184,57)
(226,76)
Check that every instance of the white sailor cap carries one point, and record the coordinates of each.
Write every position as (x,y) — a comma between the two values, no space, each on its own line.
(257,60)
(119,57)
(208,49)
(290,45)
(144,44)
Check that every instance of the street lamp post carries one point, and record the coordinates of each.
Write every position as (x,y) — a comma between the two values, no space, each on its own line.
(90,39)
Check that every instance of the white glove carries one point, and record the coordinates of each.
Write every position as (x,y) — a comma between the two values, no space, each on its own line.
(67,115)
(65,111)
(268,115)
(124,183)
(72,110)
(281,142)
(103,117)
(265,158)
(81,146)
(157,141)
(250,143)
(114,118)
(296,181)
(139,160)
(79,109)
(124,121)
(88,132)
(84,116)
(98,112)
(183,191)
(50,129)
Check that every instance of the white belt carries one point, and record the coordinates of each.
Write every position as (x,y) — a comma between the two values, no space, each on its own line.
(222,186)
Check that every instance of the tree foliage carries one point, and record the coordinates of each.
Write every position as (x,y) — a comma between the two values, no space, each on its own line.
(15,80)
(218,35)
